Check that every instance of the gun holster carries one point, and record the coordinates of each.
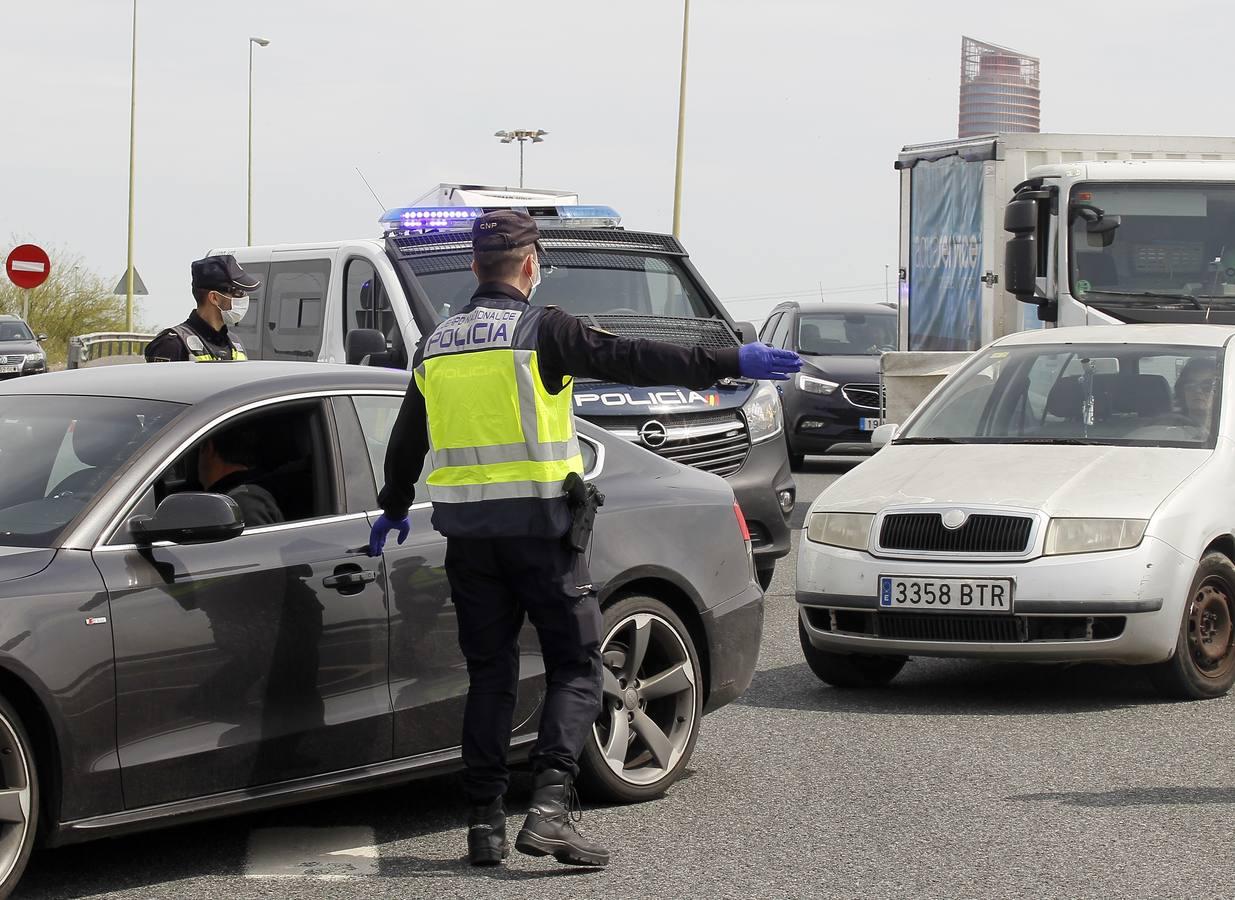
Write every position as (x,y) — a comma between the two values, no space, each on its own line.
(583,500)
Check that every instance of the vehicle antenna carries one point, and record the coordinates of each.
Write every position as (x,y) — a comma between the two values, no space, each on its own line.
(370,187)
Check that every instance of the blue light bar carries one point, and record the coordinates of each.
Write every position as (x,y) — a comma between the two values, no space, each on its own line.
(422,220)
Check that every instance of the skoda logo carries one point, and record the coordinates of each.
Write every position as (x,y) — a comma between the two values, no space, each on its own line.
(954,519)
(653,434)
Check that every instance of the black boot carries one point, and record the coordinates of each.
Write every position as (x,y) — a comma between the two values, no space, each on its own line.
(486,834)
(550,826)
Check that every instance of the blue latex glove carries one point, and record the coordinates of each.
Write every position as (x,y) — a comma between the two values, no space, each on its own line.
(381,530)
(763,362)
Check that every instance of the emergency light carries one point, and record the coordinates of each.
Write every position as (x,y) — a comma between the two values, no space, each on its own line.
(425,219)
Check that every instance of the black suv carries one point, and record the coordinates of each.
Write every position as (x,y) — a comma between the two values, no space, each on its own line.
(835,398)
(20,353)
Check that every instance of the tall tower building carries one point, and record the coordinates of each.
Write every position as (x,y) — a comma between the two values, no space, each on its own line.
(999,90)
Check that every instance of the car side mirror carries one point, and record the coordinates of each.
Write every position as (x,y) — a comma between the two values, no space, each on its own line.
(361,343)
(41,338)
(189,518)
(747,332)
(884,435)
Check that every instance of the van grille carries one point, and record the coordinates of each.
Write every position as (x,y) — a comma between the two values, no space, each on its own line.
(981,533)
(722,453)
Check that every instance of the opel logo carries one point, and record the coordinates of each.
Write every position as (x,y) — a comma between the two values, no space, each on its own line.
(653,434)
(954,519)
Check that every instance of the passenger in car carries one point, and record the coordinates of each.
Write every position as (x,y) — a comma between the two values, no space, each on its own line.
(1196,388)
(227,464)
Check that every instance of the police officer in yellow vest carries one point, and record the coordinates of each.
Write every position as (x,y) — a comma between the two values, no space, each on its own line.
(491,405)
(221,289)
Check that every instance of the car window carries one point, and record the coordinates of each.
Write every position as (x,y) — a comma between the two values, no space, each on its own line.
(781,331)
(57,453)
(846,334)
(280,455)
(365,301)
(15,331)
(249,331)
(295,306)
(765,333)
(377,420)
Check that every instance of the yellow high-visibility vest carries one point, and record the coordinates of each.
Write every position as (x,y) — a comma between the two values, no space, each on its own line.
(495,430)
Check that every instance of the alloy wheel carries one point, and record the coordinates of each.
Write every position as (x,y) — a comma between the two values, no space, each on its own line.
(15,798)
(648,714)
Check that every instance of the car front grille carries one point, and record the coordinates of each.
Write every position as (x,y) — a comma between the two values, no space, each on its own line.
(714,442)
(867,396)
(981,533)
(12,359)
(961,629)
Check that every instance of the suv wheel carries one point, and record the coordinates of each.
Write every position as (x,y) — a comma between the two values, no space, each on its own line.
(19,799)
(1204,662)
(849,670)
(653,701)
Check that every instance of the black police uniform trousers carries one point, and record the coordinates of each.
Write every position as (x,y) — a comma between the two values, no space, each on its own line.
(494,582)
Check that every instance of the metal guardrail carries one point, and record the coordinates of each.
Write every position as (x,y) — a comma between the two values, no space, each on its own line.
(106,348)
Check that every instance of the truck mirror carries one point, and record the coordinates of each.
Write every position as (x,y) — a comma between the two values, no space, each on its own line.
(1021,217)
(361,343)
(746,331)
(1020,267)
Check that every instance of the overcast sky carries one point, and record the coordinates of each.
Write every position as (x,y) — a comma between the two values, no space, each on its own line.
(795,112)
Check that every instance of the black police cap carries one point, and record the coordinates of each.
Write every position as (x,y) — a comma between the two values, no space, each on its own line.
(504,229)
(222,273)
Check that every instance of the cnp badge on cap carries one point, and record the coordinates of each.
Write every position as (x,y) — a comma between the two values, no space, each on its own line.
(504,229)
(222,273)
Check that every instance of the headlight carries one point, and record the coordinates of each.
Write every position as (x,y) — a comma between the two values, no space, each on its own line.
(816,385)
(1093,535)
(763,415)
(852,530)
(36,357)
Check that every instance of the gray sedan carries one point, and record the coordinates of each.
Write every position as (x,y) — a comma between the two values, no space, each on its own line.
(162,663)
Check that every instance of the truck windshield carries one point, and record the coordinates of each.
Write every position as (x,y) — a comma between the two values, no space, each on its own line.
(1152,243)
(582,283)
(1113,394)
(846,334)
(57,452)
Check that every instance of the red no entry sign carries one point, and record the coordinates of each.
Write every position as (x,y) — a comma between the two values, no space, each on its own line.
(28,266)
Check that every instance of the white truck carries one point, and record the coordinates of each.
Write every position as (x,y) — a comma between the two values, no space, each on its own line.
(1005,232)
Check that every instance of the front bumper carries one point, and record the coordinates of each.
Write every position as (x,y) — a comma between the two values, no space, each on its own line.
(756,486)
(734,630)
(28,369)
(815,421)
(1135,595)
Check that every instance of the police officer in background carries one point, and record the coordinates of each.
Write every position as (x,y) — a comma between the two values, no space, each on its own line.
(221,289)
(491,404)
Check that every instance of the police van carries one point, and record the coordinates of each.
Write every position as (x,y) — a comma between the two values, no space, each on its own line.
(343,301)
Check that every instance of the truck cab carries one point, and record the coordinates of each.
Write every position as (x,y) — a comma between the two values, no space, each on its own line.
(317,300)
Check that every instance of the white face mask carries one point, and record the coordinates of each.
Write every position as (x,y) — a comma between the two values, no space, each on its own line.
(535,281)
(233,316)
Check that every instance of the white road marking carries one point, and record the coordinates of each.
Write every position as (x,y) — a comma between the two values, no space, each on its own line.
(325,853)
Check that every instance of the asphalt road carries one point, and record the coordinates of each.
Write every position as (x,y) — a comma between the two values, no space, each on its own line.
(961,780)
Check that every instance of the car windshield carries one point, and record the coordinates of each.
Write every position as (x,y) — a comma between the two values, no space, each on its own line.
(15,331)
(582,283)
(57,452)
(846,334)
(1152,244)
(1116,394)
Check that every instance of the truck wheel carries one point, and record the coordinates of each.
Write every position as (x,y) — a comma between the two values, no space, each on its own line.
(849,670)
(765,576)
(1204,662)
(19,799)
(651,705)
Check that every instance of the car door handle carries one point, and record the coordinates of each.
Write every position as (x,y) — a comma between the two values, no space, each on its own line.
(352,579)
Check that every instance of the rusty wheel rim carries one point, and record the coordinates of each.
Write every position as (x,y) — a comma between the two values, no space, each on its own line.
(1210,630)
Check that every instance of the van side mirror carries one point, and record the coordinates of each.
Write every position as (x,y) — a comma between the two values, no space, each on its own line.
(747,332)
(189,518)
(884,435)
(362,343)
(1020,268)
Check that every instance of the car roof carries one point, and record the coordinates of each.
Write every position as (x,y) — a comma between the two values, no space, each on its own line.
(191,382)
(1186,335)
(841,306)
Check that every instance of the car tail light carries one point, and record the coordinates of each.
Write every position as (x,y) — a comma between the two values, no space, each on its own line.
(737,511)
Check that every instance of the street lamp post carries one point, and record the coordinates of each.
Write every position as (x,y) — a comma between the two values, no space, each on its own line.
(677,179)
(522,135)
(128,291)
(261,42)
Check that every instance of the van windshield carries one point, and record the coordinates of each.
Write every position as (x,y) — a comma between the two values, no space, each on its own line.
(1143,395)
(582,283)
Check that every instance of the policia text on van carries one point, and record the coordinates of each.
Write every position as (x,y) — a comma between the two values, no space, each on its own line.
(319,299)
(491,405)
(221,289)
